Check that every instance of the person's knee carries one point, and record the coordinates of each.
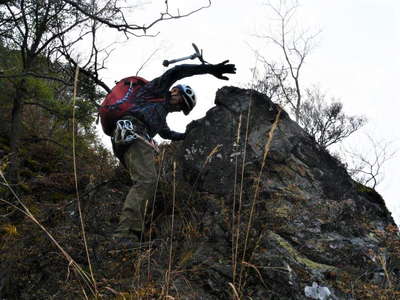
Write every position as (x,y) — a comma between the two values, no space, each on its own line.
(147,177)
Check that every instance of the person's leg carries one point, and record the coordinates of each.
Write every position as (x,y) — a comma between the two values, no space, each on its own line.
(139,159)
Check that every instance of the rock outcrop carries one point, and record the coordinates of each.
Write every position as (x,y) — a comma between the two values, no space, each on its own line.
(304,219)
(248,207)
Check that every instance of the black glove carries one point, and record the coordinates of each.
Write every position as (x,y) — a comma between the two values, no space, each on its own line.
(222,68)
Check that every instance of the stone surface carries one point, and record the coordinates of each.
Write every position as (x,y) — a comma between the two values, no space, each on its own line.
(307,214)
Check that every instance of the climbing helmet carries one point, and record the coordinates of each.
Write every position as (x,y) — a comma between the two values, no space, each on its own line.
(189,97)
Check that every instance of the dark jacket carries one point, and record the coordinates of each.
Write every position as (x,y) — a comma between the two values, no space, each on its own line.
(154,114)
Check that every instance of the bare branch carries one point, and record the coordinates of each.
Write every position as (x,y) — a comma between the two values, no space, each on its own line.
(368,167)
(15,19)
(325,121)
(46,34)
(125,26)
(61,33)
(147,60)
(294,49)
(87,73)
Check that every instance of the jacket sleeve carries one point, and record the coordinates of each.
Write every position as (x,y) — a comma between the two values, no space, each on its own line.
(165,81)
(167,133)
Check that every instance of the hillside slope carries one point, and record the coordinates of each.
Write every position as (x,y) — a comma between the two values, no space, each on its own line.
(247,207)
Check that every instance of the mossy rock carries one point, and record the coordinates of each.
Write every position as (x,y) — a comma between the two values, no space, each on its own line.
(282,212)
(371,194)
(295,255)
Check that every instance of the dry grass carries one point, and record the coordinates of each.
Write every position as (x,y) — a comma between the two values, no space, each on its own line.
(88,279)
(10,230)
(257,188)
(236,232)
(72,264)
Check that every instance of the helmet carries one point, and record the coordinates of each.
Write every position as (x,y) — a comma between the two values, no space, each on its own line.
(188,96)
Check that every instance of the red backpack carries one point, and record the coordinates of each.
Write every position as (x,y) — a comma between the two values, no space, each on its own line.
(119,101)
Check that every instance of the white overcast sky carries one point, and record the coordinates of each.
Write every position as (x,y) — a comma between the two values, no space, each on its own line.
(357,60)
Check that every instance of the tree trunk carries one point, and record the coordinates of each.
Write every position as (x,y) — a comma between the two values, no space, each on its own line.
(16,131)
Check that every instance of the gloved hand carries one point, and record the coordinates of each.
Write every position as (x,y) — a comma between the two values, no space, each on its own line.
(221,68)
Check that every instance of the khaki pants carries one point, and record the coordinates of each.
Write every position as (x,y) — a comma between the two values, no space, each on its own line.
(139,159)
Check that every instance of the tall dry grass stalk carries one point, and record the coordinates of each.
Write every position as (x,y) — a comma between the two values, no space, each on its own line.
(76,180)
(267,147)
(235,292)
(209,157)
(172,231)
(152,211)
(257,271)
(382,260)
(237,150)
(236,231)
(239,212)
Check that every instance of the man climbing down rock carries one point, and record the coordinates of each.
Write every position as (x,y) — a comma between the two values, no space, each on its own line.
(132,137)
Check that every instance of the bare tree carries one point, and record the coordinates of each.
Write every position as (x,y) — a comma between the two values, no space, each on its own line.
(367,167)
(49,31)
(326,121)
(323,119)
(282,79)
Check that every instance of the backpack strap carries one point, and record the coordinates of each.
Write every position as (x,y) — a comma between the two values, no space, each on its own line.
(138,82)
(142,83)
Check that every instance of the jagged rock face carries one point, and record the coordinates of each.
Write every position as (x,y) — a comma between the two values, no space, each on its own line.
(304,213)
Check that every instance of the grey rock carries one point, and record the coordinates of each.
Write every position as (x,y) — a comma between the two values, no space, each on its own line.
(317,292)
(318,219)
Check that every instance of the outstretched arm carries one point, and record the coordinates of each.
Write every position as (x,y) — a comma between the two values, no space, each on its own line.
(165,81)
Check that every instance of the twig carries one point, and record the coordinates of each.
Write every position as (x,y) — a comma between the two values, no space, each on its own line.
(8,214)
(235,292)
(382,261)
(127,28)
(147,60)
(257,271)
